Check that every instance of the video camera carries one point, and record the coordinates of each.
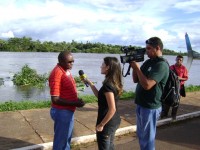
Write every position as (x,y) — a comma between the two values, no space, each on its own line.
(132,54)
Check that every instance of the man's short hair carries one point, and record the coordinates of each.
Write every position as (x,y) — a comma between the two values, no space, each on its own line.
(155,41)
(61,56)
(179,56)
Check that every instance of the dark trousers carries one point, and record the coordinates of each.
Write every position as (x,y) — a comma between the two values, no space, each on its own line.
(106,141)
(165,111)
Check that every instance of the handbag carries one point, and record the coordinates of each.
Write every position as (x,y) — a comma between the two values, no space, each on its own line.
(182,89)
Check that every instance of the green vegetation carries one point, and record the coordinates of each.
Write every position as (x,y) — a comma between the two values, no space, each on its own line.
(26,44)
(127,95)
(28,76)
(192,88)
(24,105)
(79,84)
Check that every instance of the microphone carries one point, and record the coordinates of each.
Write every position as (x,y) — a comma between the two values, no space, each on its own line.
(83,76)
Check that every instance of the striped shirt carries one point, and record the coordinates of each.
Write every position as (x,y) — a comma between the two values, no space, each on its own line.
(62,84)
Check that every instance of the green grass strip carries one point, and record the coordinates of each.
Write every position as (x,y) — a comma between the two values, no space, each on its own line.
(25,105)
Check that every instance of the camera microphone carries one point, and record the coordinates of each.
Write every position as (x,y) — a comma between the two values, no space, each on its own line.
(83,76)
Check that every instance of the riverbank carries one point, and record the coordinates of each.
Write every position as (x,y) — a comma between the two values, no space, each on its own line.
(26,105)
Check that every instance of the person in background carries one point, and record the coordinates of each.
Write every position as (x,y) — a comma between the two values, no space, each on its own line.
(182,73)
(151,78)
(108,119)
(64,100)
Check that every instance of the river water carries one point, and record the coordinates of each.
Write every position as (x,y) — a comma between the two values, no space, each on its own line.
(12,62)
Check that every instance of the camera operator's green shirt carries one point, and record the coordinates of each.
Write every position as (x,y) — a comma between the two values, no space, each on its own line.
(156,69)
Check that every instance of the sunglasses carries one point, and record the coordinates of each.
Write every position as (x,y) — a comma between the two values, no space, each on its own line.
(72,61)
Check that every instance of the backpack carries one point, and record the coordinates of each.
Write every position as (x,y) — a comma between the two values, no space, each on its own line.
(171,92)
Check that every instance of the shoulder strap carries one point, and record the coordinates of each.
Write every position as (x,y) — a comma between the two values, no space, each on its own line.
(175,70)
(163,59)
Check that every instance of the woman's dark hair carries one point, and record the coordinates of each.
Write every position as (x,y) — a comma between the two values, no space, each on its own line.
(114,75)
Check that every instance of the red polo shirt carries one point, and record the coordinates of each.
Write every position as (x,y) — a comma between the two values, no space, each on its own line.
(62,84)
(181,71)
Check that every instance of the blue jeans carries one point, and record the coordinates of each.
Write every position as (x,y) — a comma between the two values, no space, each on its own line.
(63,128)
(146,126)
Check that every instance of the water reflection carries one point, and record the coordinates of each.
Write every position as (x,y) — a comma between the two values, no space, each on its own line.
(11,92)
(27,91)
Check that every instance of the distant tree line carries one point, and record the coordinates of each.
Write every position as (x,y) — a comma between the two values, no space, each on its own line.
(26,44)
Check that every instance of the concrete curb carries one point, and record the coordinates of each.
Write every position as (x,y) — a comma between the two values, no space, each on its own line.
(178,118)
(120,131)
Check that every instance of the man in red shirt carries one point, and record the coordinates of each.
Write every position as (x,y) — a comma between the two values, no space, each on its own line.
(64,100)
(182,73)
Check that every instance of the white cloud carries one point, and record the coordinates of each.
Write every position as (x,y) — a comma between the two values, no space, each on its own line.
(9,34)
(190,6)
(122,22)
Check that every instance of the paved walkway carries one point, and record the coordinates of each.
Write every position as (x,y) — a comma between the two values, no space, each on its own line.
(33,129)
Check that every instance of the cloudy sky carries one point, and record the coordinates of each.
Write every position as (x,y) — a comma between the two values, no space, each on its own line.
(121,22)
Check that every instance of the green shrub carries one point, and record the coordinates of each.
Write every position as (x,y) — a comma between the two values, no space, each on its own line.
(29,76)
(79,84)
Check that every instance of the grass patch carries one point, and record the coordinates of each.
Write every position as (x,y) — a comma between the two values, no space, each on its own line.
(23,105)
(127,95)
(192,88)
(88,98)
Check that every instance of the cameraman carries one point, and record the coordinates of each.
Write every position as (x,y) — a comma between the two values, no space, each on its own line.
(151,78)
